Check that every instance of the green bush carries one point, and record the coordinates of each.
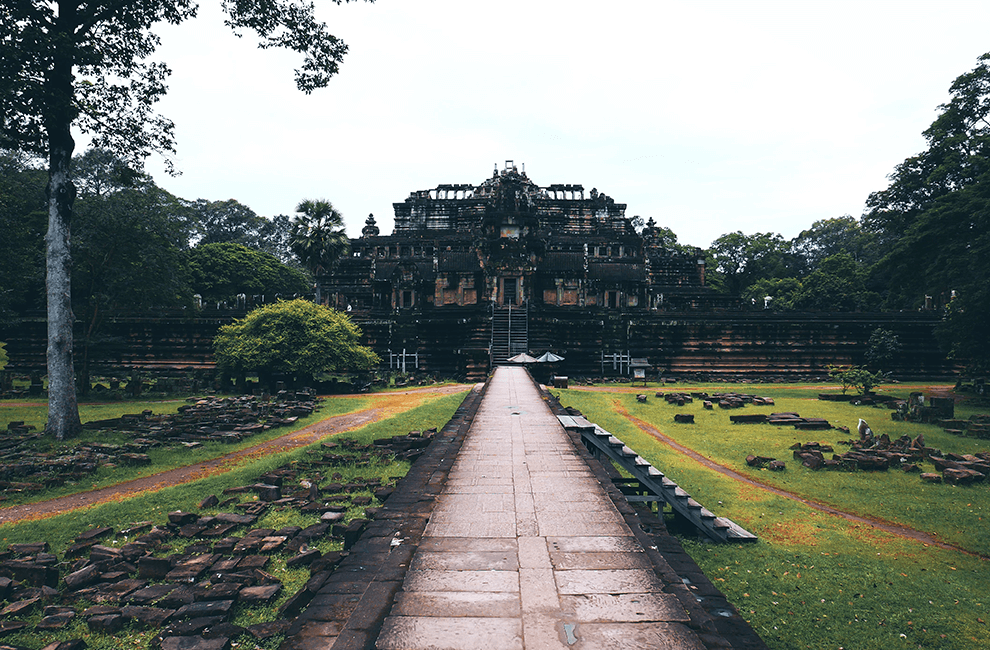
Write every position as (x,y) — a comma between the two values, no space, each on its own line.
(295,337)
(856,377)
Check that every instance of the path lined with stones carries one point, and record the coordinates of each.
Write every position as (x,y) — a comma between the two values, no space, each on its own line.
(525,549)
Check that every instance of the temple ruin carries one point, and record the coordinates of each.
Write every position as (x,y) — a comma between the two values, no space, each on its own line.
(474,274)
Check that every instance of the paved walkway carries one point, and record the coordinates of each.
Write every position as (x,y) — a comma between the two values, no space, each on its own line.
(525,550)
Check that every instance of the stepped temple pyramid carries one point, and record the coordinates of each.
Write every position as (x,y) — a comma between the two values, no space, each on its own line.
(474,274)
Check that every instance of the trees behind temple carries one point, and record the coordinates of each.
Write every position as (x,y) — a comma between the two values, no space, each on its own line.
(136,246)
(825,268)
(924,241)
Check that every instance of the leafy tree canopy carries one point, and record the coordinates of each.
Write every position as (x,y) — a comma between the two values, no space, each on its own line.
(882,349)
(856,377)
(740,260)
(128,241)
(317,238)
(839,284)
(777,294)
(829,237)
(232,222)
(23,216)
(296,337)
(220,271)
(935,221)
(68,64)
(958,154)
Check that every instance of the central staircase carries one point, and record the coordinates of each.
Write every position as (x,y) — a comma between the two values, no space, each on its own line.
(510,332)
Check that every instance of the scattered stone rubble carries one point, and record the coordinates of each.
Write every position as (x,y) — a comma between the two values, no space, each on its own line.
(111,579)
(228,419)
(772,464)
(724,400)
(977,426)
(880,453)
(782,419)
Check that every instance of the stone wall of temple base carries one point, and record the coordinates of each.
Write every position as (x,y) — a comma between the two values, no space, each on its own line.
(455,343)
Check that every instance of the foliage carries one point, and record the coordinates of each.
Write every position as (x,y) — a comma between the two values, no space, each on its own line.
(296,337)
(838,284)
(126,244)
(127,240)
(882,348)
(317,238)
(935,220)
(741,260)
(220,271)
(780,291)
(3,356)
(22,222)
(233,222)
(66,65)
(828,237)
(965,330)
(958,154)
(856,377)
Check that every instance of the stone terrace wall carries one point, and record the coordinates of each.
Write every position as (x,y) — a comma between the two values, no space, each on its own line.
(735,344)
(454,342)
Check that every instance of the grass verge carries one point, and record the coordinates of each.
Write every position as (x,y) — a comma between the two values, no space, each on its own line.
(60,530)
(163,458)
(816,580)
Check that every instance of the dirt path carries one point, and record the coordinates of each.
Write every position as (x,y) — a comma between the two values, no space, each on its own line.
(942,390)
(390,404)
(894,529)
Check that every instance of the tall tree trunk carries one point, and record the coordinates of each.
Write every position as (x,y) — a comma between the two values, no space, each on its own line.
(63,410)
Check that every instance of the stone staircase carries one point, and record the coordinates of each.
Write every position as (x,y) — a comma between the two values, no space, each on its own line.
(510,332)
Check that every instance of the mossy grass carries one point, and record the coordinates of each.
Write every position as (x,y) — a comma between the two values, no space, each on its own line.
(162,458)
(816,580)
(60,530)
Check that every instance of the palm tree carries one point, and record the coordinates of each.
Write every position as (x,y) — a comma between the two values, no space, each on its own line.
(318,239)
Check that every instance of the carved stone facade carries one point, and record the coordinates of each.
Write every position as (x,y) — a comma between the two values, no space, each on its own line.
(511,242)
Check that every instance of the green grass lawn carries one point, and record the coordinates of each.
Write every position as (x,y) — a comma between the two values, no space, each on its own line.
(815,580)
(162,458)
(60,530)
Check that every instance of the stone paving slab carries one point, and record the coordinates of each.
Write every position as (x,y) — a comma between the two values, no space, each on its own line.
(624,608)
(480,581)
(465,561)
(636,636)
(618,560)
(459,603)
(451,633)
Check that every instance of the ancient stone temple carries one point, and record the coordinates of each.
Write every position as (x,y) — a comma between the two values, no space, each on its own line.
(473,274)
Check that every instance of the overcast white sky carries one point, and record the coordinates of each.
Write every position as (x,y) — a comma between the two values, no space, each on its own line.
(710,117)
